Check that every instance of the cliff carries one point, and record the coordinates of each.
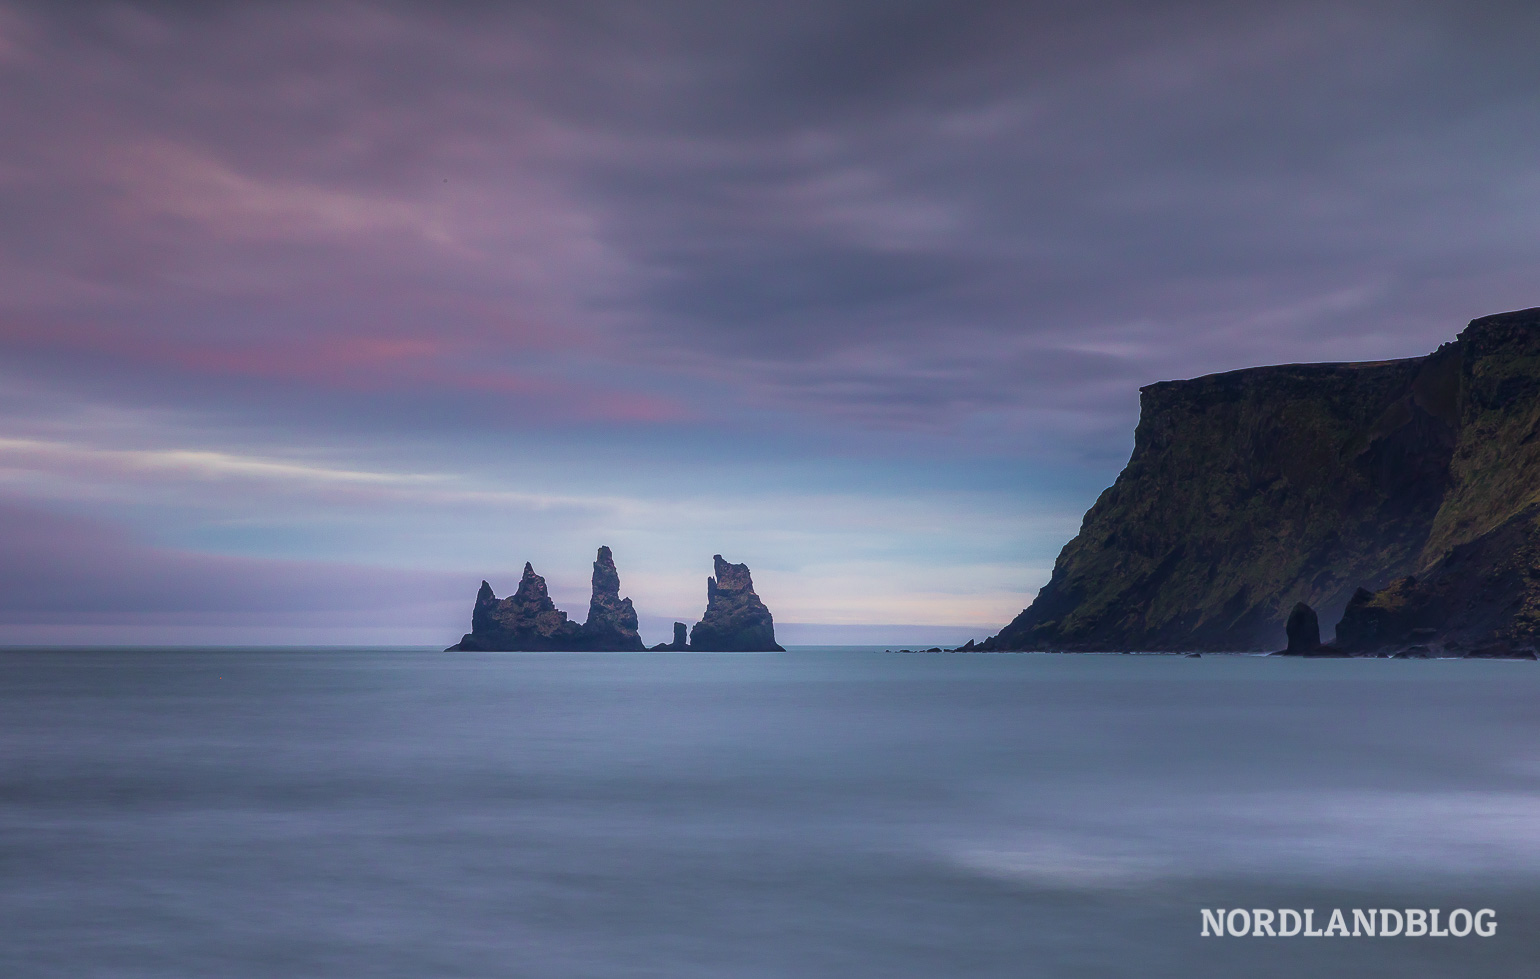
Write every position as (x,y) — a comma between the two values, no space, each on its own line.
(1402,495)
(531,622)
(735,620)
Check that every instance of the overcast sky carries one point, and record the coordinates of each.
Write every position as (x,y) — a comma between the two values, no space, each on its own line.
(313,315)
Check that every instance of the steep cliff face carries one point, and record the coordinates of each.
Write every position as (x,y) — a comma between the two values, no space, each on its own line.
(611,623)
(735,620)
(1476,587)
(1251,491)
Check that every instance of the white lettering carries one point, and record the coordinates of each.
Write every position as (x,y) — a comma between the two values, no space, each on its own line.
(1215,921)
(1245,921)
(1309,920)
(1338,924)
(1261,922)
(1456,930)
(1363,921)
(1284,914)
(1487,930)
(1433,931)
(1416,922)
(1385,914)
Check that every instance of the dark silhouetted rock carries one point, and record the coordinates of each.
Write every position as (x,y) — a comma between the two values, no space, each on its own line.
(1303,630)
(681,640)
(735,620)
(611,624)
(1402,497)
(529,621)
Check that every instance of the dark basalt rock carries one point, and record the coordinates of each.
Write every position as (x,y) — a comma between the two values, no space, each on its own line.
(611,624)
(1401,496)
(681,641)
(531,622)
(528,621)
(1303,630)
(735,620)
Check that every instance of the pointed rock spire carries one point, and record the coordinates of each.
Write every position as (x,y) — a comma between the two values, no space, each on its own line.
(611,621)
(735,620)
(527,621)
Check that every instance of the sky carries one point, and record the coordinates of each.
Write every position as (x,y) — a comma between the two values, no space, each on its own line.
(314,315)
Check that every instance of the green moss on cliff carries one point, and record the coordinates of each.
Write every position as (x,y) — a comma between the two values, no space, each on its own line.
(1250,491)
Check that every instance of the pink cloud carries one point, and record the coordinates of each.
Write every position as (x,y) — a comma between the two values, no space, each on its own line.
(437,366)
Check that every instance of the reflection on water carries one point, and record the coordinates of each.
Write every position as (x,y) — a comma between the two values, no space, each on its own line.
(831,812)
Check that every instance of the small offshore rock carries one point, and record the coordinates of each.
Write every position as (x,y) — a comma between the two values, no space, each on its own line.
(1303,630)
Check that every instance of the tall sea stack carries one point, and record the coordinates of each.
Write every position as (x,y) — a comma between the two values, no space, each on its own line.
(1402,497)
(611,621)
(531,622)
(735,620)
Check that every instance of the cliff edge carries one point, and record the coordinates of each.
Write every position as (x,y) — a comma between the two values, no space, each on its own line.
(1401,497)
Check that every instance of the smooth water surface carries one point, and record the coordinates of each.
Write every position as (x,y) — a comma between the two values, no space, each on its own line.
(821,813)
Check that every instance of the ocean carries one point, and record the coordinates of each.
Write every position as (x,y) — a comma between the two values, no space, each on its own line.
(826,812)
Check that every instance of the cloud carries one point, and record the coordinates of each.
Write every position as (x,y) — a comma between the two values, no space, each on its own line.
(413,263)
(739,203)
(62,569)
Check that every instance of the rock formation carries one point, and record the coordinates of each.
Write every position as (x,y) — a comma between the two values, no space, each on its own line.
(1403,496)
(528,621)
(611,621)
(531,622)
(681,641)
(735,620)
(1303,630)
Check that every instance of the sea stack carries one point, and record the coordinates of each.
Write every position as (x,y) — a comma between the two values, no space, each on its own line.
(531,622)
(611,624)
(528,621)
(681,641)
(1303,630)
(735,620)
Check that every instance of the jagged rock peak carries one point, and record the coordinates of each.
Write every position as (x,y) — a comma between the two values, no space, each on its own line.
(527,621)
(611,621)
(731,578)
(606,579)
(735,620)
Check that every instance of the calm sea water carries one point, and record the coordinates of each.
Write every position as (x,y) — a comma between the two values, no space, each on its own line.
(821,813)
